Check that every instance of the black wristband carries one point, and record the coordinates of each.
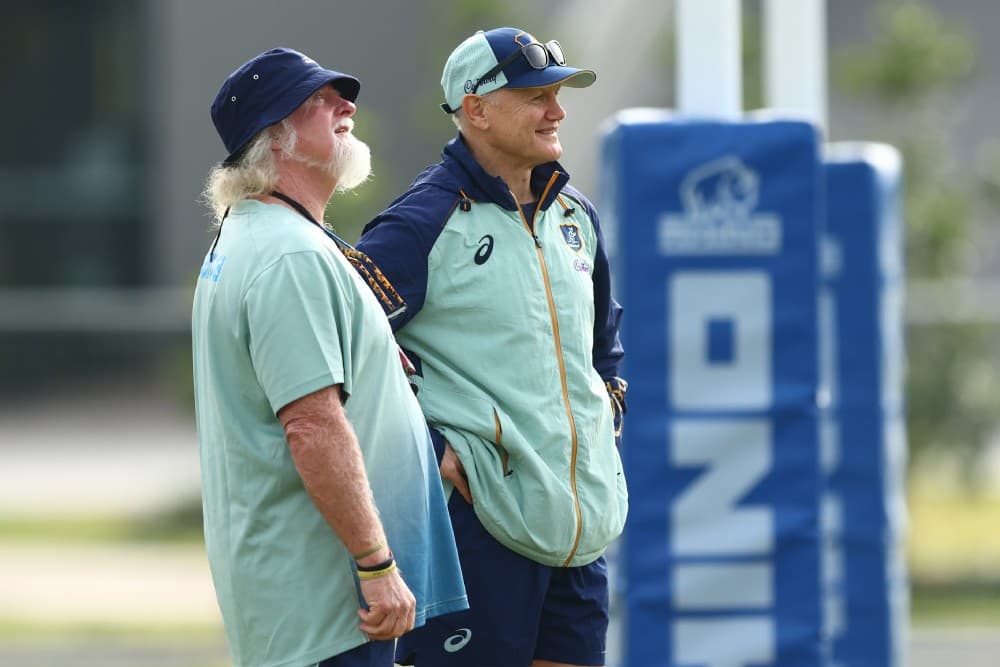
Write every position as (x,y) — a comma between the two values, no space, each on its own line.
(379,566)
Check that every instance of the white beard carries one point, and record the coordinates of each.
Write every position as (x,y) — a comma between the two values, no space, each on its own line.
(350,165)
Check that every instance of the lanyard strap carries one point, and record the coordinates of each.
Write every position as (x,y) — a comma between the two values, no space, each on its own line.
(344,245)
(392,303)
(296,205)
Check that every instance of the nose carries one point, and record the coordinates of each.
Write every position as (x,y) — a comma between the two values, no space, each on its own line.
(346,108)
(555,110)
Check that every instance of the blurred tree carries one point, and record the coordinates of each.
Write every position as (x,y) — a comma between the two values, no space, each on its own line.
(909,74)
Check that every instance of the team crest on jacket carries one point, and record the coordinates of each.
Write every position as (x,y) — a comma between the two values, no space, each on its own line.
(571,234)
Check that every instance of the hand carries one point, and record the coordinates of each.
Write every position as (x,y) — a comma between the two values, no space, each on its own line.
(453,471)
(617,387)
(391,607)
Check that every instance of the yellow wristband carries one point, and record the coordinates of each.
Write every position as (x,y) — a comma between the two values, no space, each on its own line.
(365,576)
(377,547)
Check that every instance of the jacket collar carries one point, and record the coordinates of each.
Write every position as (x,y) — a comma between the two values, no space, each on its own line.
(457,154)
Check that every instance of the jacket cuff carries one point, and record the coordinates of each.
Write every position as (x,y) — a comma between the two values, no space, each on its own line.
(439,442)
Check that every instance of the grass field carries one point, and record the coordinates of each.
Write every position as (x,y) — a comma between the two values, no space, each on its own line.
(953,550)
(953,555)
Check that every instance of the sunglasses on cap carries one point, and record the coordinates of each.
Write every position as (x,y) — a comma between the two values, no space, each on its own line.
(537,54)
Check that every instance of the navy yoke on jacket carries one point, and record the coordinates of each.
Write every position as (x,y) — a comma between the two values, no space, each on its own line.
(411,224)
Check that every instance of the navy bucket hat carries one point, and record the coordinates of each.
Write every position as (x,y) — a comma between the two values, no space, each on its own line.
(267,89)
(497,58)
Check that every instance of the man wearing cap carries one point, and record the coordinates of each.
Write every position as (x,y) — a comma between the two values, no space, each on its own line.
(325,522)
(514,333)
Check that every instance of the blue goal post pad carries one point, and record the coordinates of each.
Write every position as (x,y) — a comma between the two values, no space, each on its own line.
(714,231)
(864,440)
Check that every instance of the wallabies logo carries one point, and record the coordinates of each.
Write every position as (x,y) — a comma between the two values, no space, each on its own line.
(571,234)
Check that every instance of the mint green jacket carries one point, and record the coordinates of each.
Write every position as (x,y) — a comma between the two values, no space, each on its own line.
(515,336)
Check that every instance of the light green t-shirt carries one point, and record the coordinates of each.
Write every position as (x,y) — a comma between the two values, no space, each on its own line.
(278,314)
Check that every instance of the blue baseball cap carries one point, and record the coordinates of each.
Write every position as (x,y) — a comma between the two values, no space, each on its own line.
(267,89)
(472,66)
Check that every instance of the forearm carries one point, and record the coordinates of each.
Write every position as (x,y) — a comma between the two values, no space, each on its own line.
(325,452)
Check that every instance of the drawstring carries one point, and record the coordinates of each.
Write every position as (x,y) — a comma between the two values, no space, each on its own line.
(568,210)
(464,203)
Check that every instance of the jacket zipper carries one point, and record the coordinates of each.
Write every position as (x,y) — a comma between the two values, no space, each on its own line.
(498,438)
(562,364)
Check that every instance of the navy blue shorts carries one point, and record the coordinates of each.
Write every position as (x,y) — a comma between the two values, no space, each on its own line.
(371,654)
(519,610)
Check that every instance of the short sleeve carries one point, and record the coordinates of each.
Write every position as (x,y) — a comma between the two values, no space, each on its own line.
(296,319)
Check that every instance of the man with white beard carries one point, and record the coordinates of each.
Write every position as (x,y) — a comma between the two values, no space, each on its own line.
(325,522)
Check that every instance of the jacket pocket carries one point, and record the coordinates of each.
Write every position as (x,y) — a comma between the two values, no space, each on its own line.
(472,425)
(498,443)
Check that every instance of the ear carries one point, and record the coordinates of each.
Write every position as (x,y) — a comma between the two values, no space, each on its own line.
(474,108)
(278,134)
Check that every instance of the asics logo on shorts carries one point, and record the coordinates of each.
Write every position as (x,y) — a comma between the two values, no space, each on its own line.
(458,640)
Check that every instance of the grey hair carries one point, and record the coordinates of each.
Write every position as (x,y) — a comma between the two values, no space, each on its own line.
(458,118)
(256,172)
